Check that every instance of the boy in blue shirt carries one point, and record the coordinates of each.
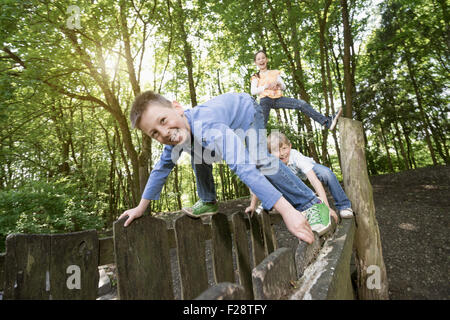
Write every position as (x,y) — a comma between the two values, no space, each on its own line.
(216,130)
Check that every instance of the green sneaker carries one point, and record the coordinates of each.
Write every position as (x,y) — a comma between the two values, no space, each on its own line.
(318,216)
(201,209)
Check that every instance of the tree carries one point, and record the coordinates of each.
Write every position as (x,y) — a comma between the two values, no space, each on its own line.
(358,187)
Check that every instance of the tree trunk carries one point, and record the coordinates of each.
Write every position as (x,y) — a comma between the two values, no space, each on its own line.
(222,181)
(143,160)
(337,72)
(127,48)
(423,117)
(322,48)
(383,139)
(438,134)
(187,51)
(330,91)
(280,121)
(372,278)
(402,147)
(295,65)
(177,187)
(194,186)
(346,59)
(406,132)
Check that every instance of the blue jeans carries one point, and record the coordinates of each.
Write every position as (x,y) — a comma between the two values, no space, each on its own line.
(290,103)
(206,189)
(329,179)
(279,175)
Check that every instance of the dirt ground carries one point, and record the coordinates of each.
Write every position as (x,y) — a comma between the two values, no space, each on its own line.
(412,210)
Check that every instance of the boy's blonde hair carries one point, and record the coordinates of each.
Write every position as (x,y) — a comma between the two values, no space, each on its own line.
(276,139)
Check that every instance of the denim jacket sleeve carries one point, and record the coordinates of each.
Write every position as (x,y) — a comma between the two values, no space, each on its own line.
(231,149)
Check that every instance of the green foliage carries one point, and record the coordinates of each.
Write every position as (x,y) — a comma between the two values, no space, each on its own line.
(49,207)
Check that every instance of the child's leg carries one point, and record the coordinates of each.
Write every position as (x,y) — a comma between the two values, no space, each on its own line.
(206,191)
(329,179)
(303,106)
(266,104)
(281,177)
(205,181)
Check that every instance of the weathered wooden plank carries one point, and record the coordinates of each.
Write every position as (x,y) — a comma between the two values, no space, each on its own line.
(257,239)
(74,265)
(191,256)
(272,277)
(2,270)
(222,249)
(242,253)
(173,242)
(106,251)
(305,253)
(58,266)
(27,267)
(328,276)
(270,244)
(142,259)
(223,291)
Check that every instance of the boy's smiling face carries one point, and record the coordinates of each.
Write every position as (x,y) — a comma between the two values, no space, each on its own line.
(283,152)
(167,125)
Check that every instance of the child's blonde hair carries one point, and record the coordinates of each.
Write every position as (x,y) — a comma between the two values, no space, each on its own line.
(276,139)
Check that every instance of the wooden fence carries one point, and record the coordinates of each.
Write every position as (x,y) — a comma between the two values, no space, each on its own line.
(65,266)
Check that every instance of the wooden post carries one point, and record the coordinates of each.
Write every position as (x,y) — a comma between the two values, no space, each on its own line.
(52,266)
(372,278)
(191,256)
(143,260)
(270,243)
(222,249)
(257,239)
(272,278)
(242,253)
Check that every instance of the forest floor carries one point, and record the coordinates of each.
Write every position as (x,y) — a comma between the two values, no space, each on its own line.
(412,210)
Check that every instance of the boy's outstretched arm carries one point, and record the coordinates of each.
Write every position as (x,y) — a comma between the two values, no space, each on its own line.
(135,212)
(154,184)
(294,220)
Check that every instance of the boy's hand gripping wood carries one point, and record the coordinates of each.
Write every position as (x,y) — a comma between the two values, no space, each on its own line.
(135,212)
(294,220)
